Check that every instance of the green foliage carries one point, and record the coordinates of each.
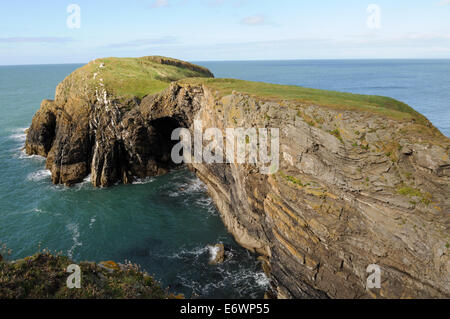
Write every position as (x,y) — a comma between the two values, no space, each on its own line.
(338,100)
(409,191)
(44,276)
(337,134)
(292,179)
(137,77)
(412,192)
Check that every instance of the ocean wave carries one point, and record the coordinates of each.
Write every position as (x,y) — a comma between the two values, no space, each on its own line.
(39,175)
(246,282)
(233,274)
(207,204)
(92,221)
(246,279)
(87,179)
(213,251)
(19,134)
(18,137)
(23,155)
(262,280)
(74,228)
(85,184)
(194,185)
(143,181)
(185,253)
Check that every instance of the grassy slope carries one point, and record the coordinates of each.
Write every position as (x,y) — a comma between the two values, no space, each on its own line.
(44,276)
(338,100)
(130,77)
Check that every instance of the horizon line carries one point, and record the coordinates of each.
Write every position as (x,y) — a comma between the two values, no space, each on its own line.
(245,60)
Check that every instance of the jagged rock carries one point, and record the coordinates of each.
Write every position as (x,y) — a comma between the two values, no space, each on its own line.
(355,187)
(41,133)
(217,254)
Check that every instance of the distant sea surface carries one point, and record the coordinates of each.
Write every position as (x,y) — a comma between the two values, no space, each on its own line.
(166,224)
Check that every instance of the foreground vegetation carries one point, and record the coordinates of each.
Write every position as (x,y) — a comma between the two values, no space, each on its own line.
(44,276)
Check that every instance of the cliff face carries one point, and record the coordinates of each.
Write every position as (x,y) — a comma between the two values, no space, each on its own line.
(92,125)
(355,186)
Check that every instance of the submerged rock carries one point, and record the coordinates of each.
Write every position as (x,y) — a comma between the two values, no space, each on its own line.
(217,253)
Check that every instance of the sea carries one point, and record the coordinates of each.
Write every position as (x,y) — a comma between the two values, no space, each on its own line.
(168,224)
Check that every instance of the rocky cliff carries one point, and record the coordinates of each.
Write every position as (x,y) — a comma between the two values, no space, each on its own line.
(362,180)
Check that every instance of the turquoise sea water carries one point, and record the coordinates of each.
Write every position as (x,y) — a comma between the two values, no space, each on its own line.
(165,224)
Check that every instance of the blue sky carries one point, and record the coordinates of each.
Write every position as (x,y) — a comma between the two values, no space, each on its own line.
(35,32)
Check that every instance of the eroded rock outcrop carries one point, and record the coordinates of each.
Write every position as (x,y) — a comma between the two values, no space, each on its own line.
(354,187)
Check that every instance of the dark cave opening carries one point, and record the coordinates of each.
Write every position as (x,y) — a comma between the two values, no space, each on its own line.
(162,129)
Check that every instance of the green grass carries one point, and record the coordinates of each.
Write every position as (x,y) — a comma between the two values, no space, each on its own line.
(409,191)
(337,134)
(338,100)
(412,192)
(292,179)
(125,78)
(138,77)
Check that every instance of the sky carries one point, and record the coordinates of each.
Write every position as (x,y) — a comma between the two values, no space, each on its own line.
(77,31)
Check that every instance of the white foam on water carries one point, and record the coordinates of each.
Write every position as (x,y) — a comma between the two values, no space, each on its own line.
(195,252)
(87,179)
(19,137)
(246,282)
(19,130)
(213,251)
(92,222)
(195,185)
(143,181)
(74,228)
(208,204)
(261,279)
(19,134)
(24,155)
(39,175)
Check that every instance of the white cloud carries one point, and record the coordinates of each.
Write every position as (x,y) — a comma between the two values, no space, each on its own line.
(168,40)
(160,4)
(254,20)
(444,3)
(36,40)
